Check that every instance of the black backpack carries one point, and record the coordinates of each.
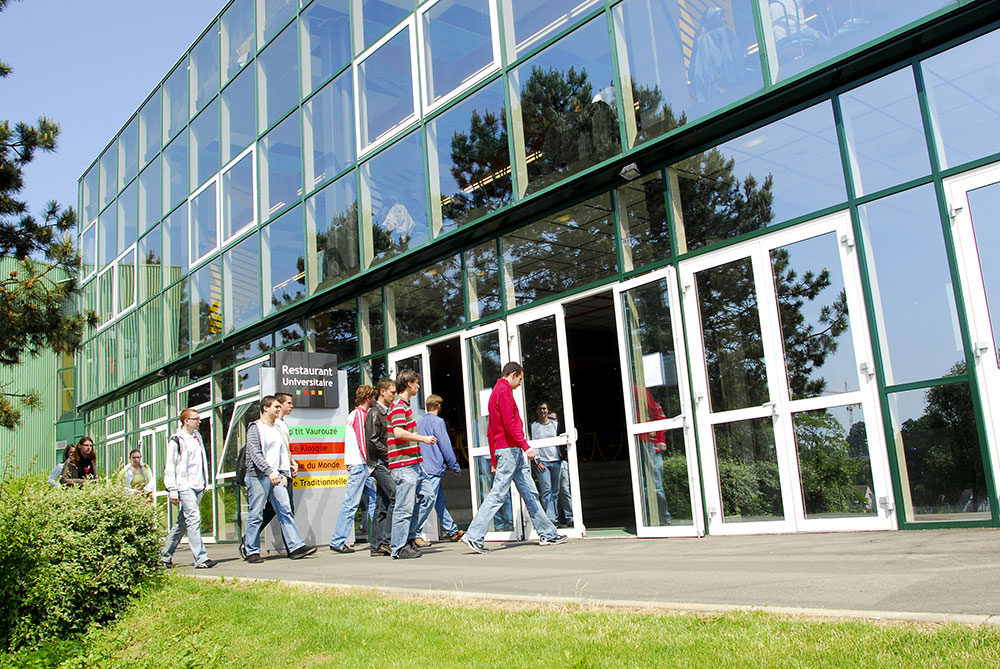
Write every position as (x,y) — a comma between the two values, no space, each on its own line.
(241,467)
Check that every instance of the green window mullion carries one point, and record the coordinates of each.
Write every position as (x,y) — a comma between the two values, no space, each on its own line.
(765,66)
(623,137)
(926,117)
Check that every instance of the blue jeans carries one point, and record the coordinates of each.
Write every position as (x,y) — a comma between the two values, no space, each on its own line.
(549,482)
(504,519)
(654,461)
(512,467)
(356,477)
(404,521)
(368,495)
(430,488)
(565,499)
(189,519)
(260,490)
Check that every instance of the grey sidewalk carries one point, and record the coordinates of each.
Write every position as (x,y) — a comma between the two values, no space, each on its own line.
(931,575)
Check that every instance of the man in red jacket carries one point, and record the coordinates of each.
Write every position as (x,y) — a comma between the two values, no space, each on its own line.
(508,449)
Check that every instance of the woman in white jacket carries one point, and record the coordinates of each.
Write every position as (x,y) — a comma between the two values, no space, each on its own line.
(137,475)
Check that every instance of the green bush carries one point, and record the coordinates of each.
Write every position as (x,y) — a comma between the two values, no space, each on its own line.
(69,557)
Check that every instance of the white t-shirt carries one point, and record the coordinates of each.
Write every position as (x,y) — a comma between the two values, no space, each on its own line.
(273,445)
(545,431)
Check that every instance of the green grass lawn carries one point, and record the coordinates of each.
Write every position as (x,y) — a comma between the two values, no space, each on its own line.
(195,623)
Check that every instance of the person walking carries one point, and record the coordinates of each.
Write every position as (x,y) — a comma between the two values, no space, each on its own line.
(185,476)
(377,434)
(437,460)
(268,468)
(547,460)
(356,460)
(508,449)
(136,475)
(404,465)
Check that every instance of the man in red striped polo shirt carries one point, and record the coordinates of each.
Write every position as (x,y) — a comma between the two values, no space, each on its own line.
(404,464)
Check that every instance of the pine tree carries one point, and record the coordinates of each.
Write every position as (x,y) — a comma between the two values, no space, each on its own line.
(34,294)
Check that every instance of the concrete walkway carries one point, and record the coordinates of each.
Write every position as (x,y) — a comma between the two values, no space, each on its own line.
(931,575)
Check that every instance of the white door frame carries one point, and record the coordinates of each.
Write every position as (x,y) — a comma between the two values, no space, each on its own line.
(977,308)
(683,420)
(780,407)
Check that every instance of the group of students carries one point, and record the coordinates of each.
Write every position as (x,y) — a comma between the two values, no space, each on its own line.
(385,448)
(79,465)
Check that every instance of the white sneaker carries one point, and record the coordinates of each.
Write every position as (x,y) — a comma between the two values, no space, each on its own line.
(558,539)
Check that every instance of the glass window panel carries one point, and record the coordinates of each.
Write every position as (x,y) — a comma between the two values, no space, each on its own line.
(205,145)
(272,15)
(984,203)
(685,61)
(280,158)
(941,461)
(380,16)
(150,264)
(332,229)
(175,172)
(277,78)
(150,206)
(150,135)
(128,152)
(649,341)
(663,479)
(965,100)
(204,232)
(643,214)
(106,295)
(482,272)
(175,101)
(284,261)
(568,106)
(783,170)
(126,281)
(815,326)
(242,277)
(238,129)
(91,189)
(801,34)
(503,521)
(88,250)
(914,312)
(385,87)
(290,332)
(128,367)
(535,21)
(326,41)
(109,174)
(748,471)
(835,472)
(237,197)
(151,331)
(175,246)
(206,303)
(107,239)
(252,349)
(885,135)
(335,331)
(468,144)
(458,45)
(328,130)
(564,251)
(128,215)
(398,214)
(427,301)
(204,69)
(540,354)
(237,37)
(734,349)
(372,322)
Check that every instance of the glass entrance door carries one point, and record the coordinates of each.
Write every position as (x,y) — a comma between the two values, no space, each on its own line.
(416,358)
(974,203)
(153,444)
(484,353)
(783,380)
(659,425)
(538,342)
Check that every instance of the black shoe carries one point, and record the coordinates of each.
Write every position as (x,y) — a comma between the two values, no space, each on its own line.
(412,543)
(207,564)
(342,548)
(301,552)
(407,552)
(254,558)
(243,548)
(475,546)
(383,550)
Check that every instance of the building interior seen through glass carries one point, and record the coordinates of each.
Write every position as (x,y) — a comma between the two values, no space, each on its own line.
(359,176)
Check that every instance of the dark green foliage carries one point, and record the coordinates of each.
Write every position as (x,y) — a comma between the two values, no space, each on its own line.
(69,558)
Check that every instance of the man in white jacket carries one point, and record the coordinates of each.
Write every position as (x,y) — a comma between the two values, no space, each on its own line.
(185,476)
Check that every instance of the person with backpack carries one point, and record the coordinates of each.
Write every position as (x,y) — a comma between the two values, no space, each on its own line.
(185,476)
(268,467)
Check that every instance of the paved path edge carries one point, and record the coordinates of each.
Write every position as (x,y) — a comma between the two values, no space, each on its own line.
(924,617)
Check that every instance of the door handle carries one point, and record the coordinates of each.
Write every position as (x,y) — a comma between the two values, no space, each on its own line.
(980,349)
(773,406)
(867,368)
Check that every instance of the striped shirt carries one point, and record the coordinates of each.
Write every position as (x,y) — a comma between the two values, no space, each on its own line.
(402,453)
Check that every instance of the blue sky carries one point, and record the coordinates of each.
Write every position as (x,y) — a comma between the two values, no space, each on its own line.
(88,65)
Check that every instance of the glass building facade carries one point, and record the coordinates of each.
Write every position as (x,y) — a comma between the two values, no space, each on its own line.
(739,247)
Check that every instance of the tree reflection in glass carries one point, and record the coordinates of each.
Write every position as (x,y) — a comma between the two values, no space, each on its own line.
(427,301)
(748,471)
(835,471)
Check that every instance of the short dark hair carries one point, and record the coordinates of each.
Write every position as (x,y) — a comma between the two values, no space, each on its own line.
(384,383)
(511,368)
(281,397)
(134,451)
(267,401)
(405,378)
(541,404)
